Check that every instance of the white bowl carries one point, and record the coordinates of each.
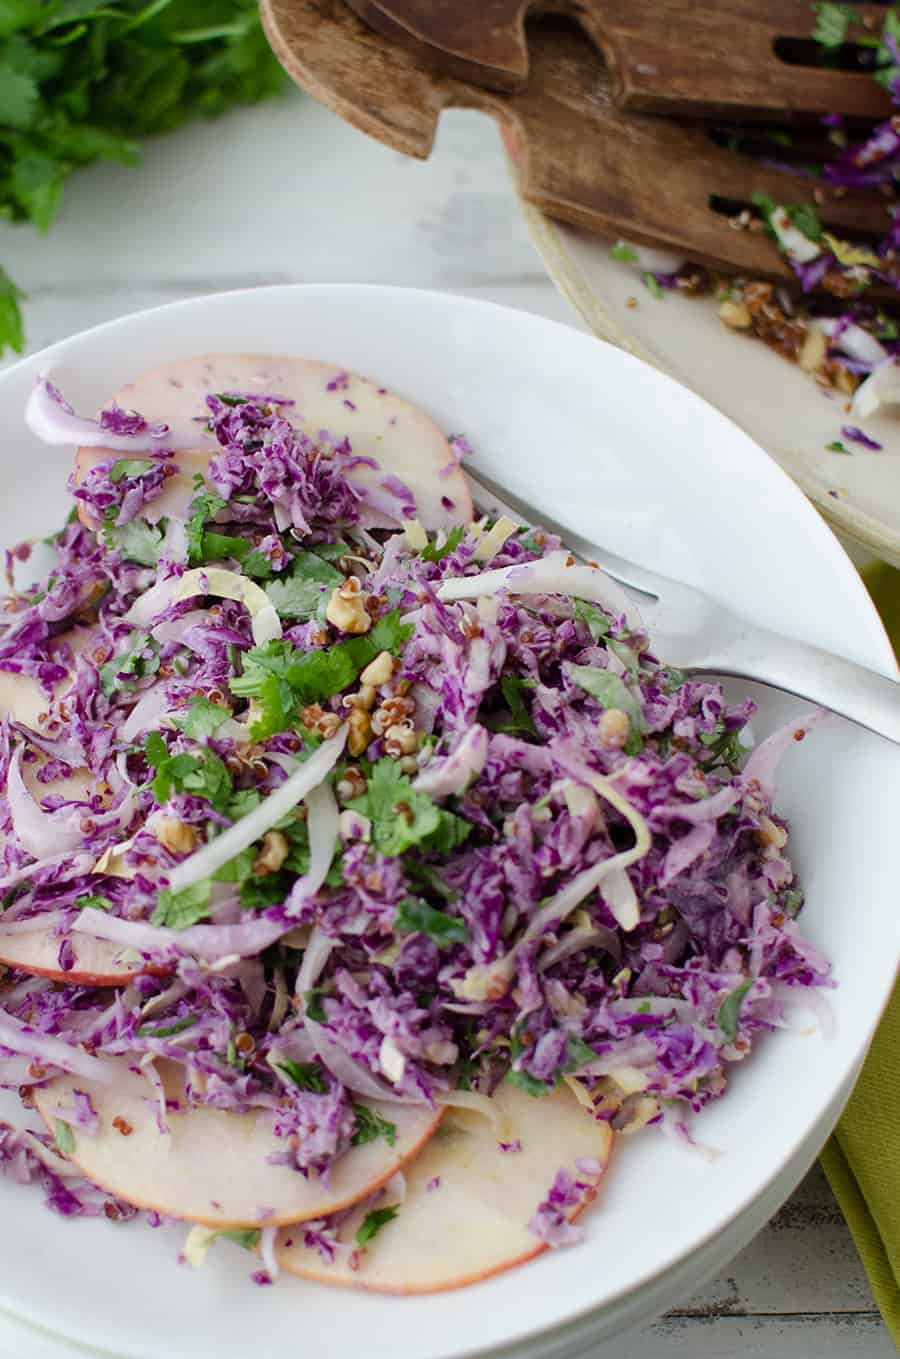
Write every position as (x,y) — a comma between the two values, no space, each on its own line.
(622,453)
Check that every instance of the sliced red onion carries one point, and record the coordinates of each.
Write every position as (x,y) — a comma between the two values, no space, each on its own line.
(153,602)
(173,629)
(42,834)
(315,956)
(146,714)
(54,422)
(202,941)
(255,824)
(267,1252)
(618,892)
(764,760)
(453,774)
(791,239)
(44,921)
(45,1048)
(347,1070)
(549,576)
(322,825)
(854,341)
(350,1072)
(589,879)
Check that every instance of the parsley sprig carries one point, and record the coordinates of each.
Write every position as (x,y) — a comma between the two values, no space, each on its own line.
(83,81)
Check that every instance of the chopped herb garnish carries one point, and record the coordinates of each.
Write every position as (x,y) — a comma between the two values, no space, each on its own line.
(166,1030)
(624,253)
(202,718)
(180,910)
(137,541)
(245,1237)
(402,817)
(730,1011)
(124,670)
(415,916)
(282,680)
(837,447)
(594,619)
(370,1126)
(373,1222)
(651,283)
(612,692)
(131,467)
(63,1137)
(832,23)
(95,902)
(537,1089)
(305,1075)
(202,508)
(433,553)
(201,775)
(315,1010)
(310,582)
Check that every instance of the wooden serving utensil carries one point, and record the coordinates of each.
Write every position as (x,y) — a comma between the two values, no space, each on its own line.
(746,58)
(650,180)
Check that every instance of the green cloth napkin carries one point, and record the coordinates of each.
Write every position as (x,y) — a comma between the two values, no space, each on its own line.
(862,1159)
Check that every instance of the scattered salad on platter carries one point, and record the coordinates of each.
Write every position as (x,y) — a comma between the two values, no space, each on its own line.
(364,873)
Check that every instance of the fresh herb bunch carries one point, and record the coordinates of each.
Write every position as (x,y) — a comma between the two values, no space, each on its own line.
(83,80)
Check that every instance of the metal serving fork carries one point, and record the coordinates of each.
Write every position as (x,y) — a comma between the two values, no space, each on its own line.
(697,634)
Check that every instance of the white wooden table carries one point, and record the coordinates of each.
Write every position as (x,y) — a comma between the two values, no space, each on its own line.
(287,193)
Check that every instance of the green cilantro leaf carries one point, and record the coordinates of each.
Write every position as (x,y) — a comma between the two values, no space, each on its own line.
(203,507)
(201,775)
(202,718)
(167,1030)
(305,1075)
(124,670)
(137,541)
(219,547)
(832,23)
(415,916)
(12,334)
(245,1237)
(610,690)
(312,1004)
(130,467)
(537,1089)
(837,447)
(281,680)
(310,582)
(594,619)
(400,816)
(373,1222)
(624,253)
(370,1126)
(433,553)
(179,910)
(95,902)
(62,1133)
(651,283)
(730,1011)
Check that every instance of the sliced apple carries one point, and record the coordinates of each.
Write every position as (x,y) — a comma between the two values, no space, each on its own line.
(212,1166)
(96,962)
(467,1204)
(403,440)
(23,697)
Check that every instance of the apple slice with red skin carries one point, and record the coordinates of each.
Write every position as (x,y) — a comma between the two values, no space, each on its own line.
(96,962)
(211,1167)
(403,440)
(467,1204)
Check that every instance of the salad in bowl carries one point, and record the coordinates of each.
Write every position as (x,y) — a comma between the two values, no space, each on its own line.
(366,874)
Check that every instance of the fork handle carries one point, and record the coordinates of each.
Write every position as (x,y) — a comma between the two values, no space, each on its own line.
(853,691)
